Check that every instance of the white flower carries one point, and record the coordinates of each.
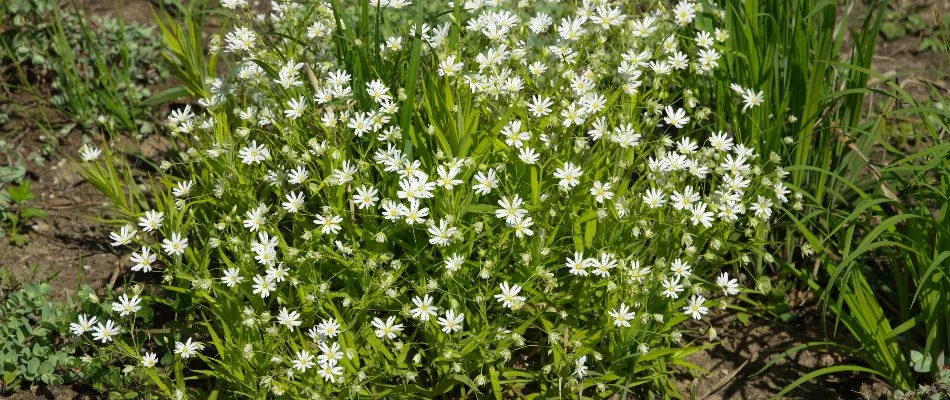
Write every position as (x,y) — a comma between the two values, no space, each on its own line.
(241,39)
(528,156)
(654,198)
(522,226)
(365,197)
(447,177)
(105,333)
(540,106)
(486,182)
(329,224)
(424,308)
(510,210)
(255,218)
(622,316)
(568,175)
(143,260)
(233,4)
(294,202)
(578,265)
(329,328)
(730,287)
(151,221)
(331,354)
(89,153)
(183,189)
(345,174)
(751,99)
(681,269)
(449,66)
(149,360)
(684,13)
(188,349)
(699,215)
(451,322)
(304,361)
(601,191)
(263,285)
(695,307)
(176,245)
(84,324)
(330,373)
(671,288)
(509,296)
(126,305)
(254,154)
(414,213)
(684,200)
(290,319)
(441,234)
(573,115)
(735,165)
(676,117)
(720,141)
(298,175)
(580,369)
(603,266)
(124,236)
(232,276)
(388,329)
(454,262)
(762,207)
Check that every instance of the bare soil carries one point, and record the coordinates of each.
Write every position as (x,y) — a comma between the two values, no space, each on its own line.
(732,367)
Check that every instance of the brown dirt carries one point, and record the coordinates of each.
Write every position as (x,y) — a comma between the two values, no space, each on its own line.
(128,10)
(731,366)
(915,70)
(49,393)
(69,246)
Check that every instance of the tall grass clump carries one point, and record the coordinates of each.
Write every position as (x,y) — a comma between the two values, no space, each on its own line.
(430,200)
(883,263)
(809,69)
(870,240)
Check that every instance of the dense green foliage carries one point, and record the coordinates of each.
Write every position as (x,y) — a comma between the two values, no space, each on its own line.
(414,199)
(31,329)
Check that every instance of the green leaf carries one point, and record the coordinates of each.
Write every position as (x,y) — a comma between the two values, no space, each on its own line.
(893,30)
(12,173)
(10,377)
(495,384)
(18,240)
(33,366)
(824,371)
(21,193)
(47,366)
(920,362)
(166,96)
(31,212)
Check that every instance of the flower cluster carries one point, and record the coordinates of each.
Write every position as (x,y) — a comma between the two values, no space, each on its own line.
(531,190)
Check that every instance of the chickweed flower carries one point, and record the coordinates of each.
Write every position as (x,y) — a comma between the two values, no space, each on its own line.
(188,348)
(149,360)
(127,305)
(89,153)
(387,329)
(84,324)
(175,245)
(452,322)
(509,295)
(105,332)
